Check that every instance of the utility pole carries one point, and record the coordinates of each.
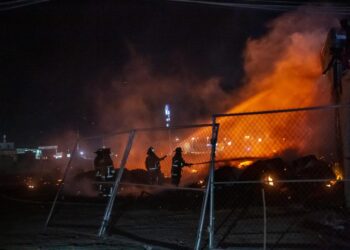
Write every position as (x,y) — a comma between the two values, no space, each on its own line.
(337,47)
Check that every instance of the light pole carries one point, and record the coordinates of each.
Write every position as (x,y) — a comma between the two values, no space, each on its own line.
(167,123)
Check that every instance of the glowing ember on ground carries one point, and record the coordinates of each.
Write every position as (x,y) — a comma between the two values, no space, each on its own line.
(338,176)
(331,183)
(337,171)
(269,180)
(244,164)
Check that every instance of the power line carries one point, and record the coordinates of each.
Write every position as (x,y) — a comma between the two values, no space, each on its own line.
(274,6)
(10,5)
(12,2)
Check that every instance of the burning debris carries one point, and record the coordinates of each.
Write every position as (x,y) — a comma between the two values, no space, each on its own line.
(304,178)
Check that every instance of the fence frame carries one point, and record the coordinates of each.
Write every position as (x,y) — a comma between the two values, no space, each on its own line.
(208,191)
(105,223)
(336,108)
(61,185)
(68,168)
(111,202)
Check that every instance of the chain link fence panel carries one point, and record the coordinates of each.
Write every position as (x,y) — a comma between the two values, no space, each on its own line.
(279,181)
(85,187)
(154,211)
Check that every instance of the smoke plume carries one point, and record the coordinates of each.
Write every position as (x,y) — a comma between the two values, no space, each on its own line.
(283,68)
(137,98)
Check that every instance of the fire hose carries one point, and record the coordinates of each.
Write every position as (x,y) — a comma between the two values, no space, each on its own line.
(229,159)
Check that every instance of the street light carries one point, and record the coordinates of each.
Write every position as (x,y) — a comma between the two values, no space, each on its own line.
(167,124)
(167,115)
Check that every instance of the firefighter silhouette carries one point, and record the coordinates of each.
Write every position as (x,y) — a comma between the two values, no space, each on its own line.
(105,171)
(152,163)
(176,168)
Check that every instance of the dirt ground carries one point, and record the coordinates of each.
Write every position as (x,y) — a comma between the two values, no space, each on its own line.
(22,227)
(156,226)
(22,221)
(76,223)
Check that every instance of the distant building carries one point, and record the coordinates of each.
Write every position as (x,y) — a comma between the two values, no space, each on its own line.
(35,151)
(4,145)
(48,152)
(7,149)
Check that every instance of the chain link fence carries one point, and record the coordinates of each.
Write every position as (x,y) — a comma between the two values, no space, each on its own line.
(80,203)
(155,211)
(129,204)
(278,181)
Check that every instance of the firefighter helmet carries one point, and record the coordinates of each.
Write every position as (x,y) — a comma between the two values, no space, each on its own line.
(178,150)
(150,150)
(103,151)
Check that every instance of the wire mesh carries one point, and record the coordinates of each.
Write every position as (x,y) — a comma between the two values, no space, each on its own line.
(304,222)
(294,158)
(84,195)
(155,211)
(268,135)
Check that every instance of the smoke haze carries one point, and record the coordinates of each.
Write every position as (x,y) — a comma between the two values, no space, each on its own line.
(138,98)
(284,66)
(282,70)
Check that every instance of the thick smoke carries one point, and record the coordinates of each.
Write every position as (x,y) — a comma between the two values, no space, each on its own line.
(283,70)
(137,99)
(284,66)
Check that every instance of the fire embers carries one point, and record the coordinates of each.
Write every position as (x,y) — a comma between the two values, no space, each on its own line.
(30,183)
(304,179)
(318,177)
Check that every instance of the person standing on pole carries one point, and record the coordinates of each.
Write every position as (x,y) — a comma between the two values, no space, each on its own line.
(152,163)
(176,168)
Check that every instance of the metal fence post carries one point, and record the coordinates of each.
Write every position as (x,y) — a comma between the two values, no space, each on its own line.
(343,124)
(62,183)
(109,208)
(265,217)
(203,212)
(211,182)
(206,194)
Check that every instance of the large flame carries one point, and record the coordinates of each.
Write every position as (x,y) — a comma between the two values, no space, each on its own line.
(283,71)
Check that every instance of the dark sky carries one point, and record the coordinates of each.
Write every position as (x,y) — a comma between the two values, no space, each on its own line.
(52,54)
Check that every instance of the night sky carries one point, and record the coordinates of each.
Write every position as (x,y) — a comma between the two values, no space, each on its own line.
(56,55)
